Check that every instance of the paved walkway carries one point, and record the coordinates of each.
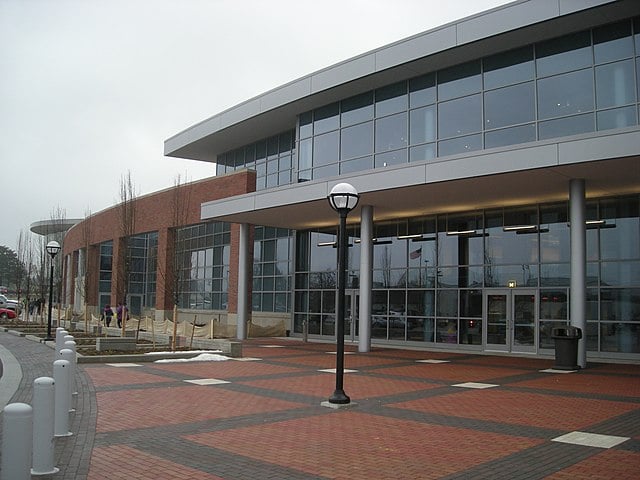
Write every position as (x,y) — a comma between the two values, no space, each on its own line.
(419,414)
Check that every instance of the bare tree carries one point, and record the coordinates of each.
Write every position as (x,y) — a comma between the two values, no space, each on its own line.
(171,275)
(127,213)
(85,274)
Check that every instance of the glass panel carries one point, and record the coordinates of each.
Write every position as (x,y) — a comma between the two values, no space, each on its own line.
(620,273)
(555,274)
(570,52)
(524,319)
(422,90)
(460,145)
(422,152)
(420,303)
(306,125)
(615,84)
(357,141)
(623,241)
(565,94)
(508,68)
(509,106)
(616,118)
(423,125)
(620,337)
(304,155)
(420,329)
(622,305)
(566,126)
(391,99)
(612,42)
(459,81)
(459,117)
(357,165)
(510,136)
(554,304)
(471,332)
(391,132)
(497,319)
(326,118)
(447,303)
(357,109)
(446,331)
(518,246)
(546,328)
(326,149)
(471,303)
(388,159)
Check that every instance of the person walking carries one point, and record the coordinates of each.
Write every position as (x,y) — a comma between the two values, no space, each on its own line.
(119,314)
(107,314)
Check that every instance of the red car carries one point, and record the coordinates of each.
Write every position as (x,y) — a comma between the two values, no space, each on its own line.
(6,313)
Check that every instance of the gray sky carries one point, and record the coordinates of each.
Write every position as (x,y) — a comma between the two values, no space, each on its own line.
(90,89)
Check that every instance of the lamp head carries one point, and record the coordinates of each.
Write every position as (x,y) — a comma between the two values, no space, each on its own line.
(53,248)
(343,197)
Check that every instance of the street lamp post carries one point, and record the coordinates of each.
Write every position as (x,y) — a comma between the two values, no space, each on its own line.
(343,198)
(53,248)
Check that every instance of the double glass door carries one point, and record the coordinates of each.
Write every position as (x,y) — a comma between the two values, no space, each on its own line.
(511,320)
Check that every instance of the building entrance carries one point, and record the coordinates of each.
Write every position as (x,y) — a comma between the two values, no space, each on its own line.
(510,320)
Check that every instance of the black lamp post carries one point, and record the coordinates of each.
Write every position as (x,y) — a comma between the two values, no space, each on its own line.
(53,248)
(343,198)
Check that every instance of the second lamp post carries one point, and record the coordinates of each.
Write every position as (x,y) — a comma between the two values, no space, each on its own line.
(343,198)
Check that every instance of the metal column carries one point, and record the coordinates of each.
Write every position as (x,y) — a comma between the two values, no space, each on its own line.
(366,278)
(578,302)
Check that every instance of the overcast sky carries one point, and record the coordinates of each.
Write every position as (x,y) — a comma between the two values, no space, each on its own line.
(90,89)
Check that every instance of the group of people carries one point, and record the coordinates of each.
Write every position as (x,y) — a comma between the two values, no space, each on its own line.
(121,312)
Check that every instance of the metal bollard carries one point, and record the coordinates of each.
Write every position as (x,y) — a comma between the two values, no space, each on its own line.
(17,442)
(61,409)
(68,355)
(60,334)
(71,345)
(43,440)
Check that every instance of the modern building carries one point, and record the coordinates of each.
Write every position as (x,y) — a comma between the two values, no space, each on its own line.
(497,162)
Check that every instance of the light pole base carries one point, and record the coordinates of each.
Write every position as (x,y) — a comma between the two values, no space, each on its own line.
(337,406)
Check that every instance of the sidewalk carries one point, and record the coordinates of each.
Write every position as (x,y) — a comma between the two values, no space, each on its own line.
(419,415)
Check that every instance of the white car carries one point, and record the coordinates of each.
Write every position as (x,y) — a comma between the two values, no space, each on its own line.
(14,305)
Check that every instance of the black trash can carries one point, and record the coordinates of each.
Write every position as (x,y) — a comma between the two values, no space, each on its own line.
(566,341)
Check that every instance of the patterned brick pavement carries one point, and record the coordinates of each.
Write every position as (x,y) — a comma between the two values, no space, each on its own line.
(473,416)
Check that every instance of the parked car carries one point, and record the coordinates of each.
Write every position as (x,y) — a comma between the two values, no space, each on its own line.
(14,305)
(5,314)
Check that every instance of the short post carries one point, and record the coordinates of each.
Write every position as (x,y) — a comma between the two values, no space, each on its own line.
(61,409)
(69,356)
(43,441)
(71,345)
(60,334)
(17,442)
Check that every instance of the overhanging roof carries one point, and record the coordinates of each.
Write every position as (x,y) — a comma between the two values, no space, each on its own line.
(502,28)
(533,173)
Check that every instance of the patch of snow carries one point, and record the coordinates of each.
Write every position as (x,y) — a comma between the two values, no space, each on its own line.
(203,357)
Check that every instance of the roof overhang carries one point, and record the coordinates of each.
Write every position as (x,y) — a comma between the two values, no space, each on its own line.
(531,173)
(53,226)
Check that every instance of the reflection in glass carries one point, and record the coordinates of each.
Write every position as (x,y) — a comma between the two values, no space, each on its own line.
(459,80)
(565,94)
(422,90)
(356,141)
(391,132)
(563,127)
(446,330)
(615,84)
(616,118)
(509,106)
(423,125)
(612,42)
(563,54)
(508,68)
(357,109)
(460,117)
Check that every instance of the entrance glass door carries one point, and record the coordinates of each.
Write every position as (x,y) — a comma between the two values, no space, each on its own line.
(351,311)
(510,320)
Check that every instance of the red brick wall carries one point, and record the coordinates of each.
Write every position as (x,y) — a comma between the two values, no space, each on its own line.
(153,213)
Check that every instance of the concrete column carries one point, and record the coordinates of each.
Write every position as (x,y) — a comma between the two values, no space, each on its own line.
(243,281)
(366,277)
(578,294)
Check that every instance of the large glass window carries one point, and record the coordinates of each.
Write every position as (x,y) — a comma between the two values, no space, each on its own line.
(460,117)
(509,106)
(566,94)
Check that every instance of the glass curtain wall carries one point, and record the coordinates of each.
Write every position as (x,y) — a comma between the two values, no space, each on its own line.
(578,83)
(105,265)
(203,254)
(429,273)
(142,274)
(272,254)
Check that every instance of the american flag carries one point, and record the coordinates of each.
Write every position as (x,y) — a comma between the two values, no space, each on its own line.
(416,254)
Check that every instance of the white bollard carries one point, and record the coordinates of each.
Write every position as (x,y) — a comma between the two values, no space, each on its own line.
(71,345)
(17,442)
(43,440)
(68,355)
(60,334)
(61,408)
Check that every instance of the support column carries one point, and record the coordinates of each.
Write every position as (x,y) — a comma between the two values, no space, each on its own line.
(578,294)
(243,282)
(366,278)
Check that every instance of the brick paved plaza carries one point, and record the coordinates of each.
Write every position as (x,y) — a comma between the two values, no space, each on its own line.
(419,414)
